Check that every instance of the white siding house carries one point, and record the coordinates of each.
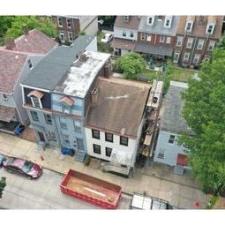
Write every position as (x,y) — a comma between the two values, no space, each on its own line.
(168,151)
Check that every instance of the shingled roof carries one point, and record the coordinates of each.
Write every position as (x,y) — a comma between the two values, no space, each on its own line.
(120,106)
(132,23)
(34,42)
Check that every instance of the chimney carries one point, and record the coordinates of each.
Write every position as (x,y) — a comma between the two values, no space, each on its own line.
(94,96)
(10,44)
(26,31)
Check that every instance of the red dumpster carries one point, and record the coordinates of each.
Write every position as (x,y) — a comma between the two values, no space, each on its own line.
(91,189)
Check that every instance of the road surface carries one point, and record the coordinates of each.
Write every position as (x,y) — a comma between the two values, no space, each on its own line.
(43,193)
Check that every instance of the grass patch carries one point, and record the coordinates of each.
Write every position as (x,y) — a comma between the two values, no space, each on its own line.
(182,74)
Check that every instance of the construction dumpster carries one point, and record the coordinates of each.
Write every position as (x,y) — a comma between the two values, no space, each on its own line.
(91,189)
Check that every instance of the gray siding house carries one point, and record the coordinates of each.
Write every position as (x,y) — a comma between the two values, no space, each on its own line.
(56,94)
(172,125)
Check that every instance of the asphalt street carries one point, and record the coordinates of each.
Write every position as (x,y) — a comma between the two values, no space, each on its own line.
(43,193)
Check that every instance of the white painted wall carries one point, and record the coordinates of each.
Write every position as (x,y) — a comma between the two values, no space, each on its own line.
(170,150)
(131,149)
(92,46)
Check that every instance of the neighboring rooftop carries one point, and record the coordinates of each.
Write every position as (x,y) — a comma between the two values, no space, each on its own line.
(171,111)
(158,26)
(200,24)
(123,43)
(82,73)
(120,106)
(33,42)
(11,65)
(131,23)
(52,68)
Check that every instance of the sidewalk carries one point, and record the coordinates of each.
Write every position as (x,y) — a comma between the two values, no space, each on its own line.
(181,196)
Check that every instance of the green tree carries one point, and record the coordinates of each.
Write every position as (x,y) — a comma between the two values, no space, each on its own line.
(22,23)
(2,185)
(130,64)
(5,24)
(204,111)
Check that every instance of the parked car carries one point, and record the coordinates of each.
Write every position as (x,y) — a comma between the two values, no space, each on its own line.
(2,159)
(107,38)
(22,167)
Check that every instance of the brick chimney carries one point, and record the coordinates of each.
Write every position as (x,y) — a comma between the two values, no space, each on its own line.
(10,44)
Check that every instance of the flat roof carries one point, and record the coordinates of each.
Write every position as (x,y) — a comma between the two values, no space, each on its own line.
(82,73)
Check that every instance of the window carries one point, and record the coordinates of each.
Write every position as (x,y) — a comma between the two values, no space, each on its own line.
(189,43)
(109,137)
(123,140)
(211,45)
(96,149)
(124,34)
(126,18)
(149,37)
(96,134)
(176,57)
(189,26)
(179,41)
(200,44)
(69,23)
(210,28)
(61,36)
(66,108)
(160,155)
(171,139)
(168,21)
(143,36)
(63,125)
(34,116)
(80,144)
(29,64)
(60,21)
(66,140)
(70,36)
(196,59)
(162,39)
(36,102)
(131,34)
(51,136)
(168,40)
(108,151)
(150,20)
(186,56)
(48,119)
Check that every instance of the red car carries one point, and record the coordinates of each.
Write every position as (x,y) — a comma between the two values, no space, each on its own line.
(22,167)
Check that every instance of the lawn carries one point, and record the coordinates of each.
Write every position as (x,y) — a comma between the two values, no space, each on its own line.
(182,74)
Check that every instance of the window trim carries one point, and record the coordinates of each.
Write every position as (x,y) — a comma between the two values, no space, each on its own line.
(39,100)
(176,53)
(67,23)
(186,26)
(58,18)
(203,42)
(32,111)
(106,137)
(162,39)
(181,42)
(173,138)
(45,116)
(108,148)
(95,145)
(99,136)
(68,33)
(121,143)
(189,42)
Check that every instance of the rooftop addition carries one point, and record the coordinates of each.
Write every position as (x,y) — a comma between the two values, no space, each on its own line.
(82,73)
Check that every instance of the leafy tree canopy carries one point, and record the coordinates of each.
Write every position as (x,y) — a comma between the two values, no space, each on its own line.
(131,64)
(204,112)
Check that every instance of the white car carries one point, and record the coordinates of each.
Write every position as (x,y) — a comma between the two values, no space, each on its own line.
(107,38)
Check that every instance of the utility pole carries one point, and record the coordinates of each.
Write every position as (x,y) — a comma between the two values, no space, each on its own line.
(2,185)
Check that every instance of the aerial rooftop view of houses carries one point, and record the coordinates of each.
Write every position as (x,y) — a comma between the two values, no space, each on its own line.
(112,112)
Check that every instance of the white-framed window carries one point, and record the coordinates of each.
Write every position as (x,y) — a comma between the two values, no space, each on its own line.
(143,36)
(131,34)
(168,21)
(70,36)
(179,41)
(149,37)
(69,22)
(211,45)
(48,118)
(189,42)
(186,56)
(124,34)
(196,58)
(36,102)
(34,115)
(162,39)
(176,57)
(60,21)
(189,26)
(171,139)
(168,40)
(200,44)
(150,20)
(62,36)
(210,28)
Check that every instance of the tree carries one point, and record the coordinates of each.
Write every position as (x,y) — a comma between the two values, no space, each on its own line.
(5,24)
(2,185)
(204,111)
(22,23)
(131,64)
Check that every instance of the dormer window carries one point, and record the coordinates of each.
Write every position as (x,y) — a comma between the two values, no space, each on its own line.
(150,20)
(189,25)
(168,21)
(36,97)
(210,28)
(67,103)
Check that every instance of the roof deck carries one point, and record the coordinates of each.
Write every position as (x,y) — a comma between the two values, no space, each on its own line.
(82,73)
